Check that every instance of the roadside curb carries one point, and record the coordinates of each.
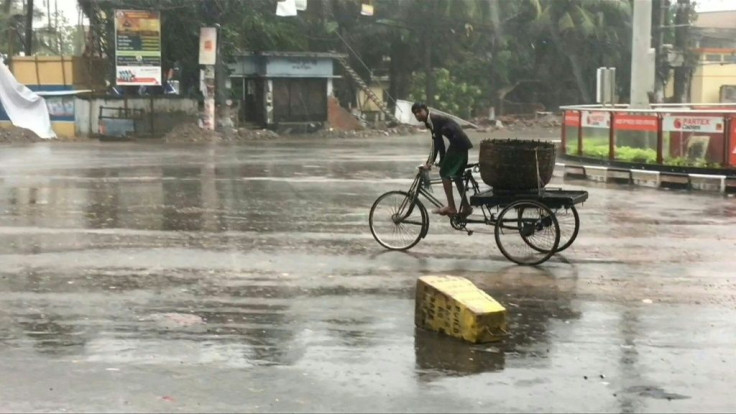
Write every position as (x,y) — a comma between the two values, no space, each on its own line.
(654,179)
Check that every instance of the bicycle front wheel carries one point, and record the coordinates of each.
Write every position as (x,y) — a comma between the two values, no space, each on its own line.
(396,222)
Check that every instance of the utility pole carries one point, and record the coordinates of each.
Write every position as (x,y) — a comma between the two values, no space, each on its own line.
(28,40)
(662,68)
(683,73)
(428,41)
(642,55)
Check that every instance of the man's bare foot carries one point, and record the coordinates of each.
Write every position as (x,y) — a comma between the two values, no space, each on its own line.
(445,211)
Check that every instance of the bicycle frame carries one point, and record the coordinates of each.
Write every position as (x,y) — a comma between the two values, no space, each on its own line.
(420,187)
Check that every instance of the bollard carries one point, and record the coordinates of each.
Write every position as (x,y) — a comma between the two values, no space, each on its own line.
(456,307)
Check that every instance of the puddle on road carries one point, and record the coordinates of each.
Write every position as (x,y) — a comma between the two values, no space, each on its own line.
(654,392)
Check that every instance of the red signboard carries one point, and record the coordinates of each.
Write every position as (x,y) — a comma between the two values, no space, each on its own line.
(572,118)
(732,150)
(624,122)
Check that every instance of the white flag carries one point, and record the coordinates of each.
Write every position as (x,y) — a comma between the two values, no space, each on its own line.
(25,108)
(301,5)
(286,8)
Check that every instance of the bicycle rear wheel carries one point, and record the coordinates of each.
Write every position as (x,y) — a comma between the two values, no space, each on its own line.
(569,222)
(396,222)
(527,232)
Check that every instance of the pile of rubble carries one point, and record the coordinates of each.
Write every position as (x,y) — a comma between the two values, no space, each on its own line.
(244,134)
(369,133)
(520,122)
(14,135)
(192,133)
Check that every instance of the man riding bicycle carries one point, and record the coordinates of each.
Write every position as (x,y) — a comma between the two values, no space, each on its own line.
(452,162)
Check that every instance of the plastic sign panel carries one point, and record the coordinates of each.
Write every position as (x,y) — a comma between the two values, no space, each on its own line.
(572,119)
(137,47)
(207,46)
(704,124)
(596,119)
(626,122)
(732,150)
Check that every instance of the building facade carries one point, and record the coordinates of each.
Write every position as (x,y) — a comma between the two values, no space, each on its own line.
(276,89)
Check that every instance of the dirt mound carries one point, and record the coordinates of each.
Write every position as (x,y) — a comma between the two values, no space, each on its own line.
(11,135)
(192,133)
(520,122)
(243,134)
(368,133)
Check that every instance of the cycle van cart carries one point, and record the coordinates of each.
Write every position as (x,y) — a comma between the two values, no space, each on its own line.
(529,226)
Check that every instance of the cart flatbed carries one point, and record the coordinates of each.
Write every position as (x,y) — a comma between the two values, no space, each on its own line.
(551,197)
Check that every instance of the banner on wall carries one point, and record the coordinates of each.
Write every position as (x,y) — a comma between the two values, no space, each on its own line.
(137,47)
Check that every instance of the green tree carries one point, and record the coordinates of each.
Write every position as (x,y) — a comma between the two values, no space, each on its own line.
(451,95)
(248,25)
(588,33)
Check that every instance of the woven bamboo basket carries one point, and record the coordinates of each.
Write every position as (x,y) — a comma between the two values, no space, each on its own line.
(516,165)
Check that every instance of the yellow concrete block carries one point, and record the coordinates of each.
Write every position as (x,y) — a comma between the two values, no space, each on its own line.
(456,307)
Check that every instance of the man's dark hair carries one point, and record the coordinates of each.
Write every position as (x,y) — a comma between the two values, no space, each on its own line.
(417,106)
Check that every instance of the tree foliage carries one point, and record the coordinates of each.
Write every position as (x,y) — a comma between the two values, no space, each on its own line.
(469,54)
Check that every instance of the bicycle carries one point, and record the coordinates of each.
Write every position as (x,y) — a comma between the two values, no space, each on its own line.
(526,226)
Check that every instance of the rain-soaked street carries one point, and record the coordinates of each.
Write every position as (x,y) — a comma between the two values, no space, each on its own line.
(149,277)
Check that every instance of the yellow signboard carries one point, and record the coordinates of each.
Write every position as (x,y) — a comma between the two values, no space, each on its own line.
(137,47)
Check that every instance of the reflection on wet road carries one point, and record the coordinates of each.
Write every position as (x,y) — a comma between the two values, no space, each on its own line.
(141,277)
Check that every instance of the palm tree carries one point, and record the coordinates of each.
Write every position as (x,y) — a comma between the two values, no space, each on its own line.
(586,33)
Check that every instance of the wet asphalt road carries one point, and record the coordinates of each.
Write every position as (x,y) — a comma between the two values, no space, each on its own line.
(144,277)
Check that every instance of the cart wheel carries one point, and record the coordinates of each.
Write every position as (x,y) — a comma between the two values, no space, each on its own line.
(396,223)
(527,232)
(569,222)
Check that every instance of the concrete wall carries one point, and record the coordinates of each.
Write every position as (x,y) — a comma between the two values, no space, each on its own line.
(707,81)
(245,66)
(161,113)
(43,70)
(367,104)
(62,129)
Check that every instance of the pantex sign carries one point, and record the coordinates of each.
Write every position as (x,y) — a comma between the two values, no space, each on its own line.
(706,124)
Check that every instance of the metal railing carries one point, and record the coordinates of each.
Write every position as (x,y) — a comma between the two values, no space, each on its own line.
(676,135)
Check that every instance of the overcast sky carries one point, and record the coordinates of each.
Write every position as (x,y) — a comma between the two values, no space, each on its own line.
(69,7)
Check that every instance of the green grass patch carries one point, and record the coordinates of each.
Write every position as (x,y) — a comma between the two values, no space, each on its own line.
(629,154)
